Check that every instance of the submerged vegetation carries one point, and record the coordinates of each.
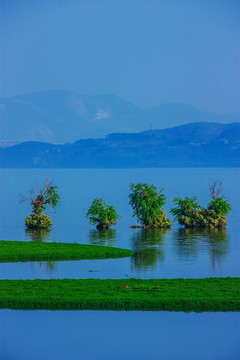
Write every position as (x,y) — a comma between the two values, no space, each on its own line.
(102,214)
(209,294)
(46,195)
(13,251)
(190,214)
(147,204)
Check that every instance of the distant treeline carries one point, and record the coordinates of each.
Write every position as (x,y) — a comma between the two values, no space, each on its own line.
(191,145)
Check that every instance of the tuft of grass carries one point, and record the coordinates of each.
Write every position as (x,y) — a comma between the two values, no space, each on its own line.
(14,251)
(198,295)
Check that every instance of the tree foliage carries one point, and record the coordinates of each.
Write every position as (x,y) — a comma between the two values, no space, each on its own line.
(184,206)
(102,214)
(147,204)
(220,205)
(46,195)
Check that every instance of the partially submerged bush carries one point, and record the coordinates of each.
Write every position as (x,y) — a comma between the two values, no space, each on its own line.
(202,218)
(147,204)
(102,214)
(41,221)
(189,213)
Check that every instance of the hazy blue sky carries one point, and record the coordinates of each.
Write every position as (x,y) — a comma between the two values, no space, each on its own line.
(148,52)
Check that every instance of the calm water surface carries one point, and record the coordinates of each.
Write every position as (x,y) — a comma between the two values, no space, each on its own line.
(157,254)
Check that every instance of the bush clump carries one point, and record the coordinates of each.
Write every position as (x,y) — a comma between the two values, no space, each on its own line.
(147,204)
(41,221)
(191,215)
(102,214)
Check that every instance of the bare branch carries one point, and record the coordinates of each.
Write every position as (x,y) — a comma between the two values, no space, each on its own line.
(215,188)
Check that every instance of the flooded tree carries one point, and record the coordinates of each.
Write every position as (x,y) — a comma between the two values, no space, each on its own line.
(46,195)
(147,203)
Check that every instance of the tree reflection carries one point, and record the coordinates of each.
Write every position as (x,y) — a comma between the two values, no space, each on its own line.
(148,247)
(218,246)
(47,266)
(41,235)
(187,242)
(105,237)
(38,235)
(192,241)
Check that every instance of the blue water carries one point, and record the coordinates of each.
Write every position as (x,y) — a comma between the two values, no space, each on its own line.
(157,254)
(104,335)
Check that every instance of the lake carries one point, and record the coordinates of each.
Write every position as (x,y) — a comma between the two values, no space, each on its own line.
(157,254)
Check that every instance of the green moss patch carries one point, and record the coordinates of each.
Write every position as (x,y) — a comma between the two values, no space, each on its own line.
(209,294)
(13,251)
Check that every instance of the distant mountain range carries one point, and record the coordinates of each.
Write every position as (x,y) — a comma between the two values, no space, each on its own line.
(192,145)
(61,116)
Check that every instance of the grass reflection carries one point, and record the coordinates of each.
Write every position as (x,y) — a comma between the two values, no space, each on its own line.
(148,247)
(105,237)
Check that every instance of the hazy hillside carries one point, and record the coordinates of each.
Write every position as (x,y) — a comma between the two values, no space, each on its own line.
(191,145)
(62,116)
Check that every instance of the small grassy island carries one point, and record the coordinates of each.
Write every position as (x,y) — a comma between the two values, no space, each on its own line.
(14,251)
(198,295)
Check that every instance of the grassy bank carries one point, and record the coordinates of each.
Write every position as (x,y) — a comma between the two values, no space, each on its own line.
(209,294)
(13,251)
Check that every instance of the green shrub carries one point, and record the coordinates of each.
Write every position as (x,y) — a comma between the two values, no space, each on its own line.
(147,204)
(102,214)
(184,206)
(189,213)
(220,205)
(202,219)
(40,221)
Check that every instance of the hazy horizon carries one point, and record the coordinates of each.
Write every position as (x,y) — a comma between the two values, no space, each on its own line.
(146,52)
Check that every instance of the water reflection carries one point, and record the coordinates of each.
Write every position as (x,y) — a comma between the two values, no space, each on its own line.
(48,267)
(105,237)
(148,247)
(38,235)
(191,242)
(41,235)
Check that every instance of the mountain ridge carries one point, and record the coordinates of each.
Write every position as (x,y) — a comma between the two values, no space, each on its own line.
(60,116)
(191,145)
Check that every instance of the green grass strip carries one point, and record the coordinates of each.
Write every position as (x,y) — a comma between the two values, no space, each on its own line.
(208,294)
(13,251)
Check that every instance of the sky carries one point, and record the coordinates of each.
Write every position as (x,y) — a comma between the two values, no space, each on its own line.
(149,52)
